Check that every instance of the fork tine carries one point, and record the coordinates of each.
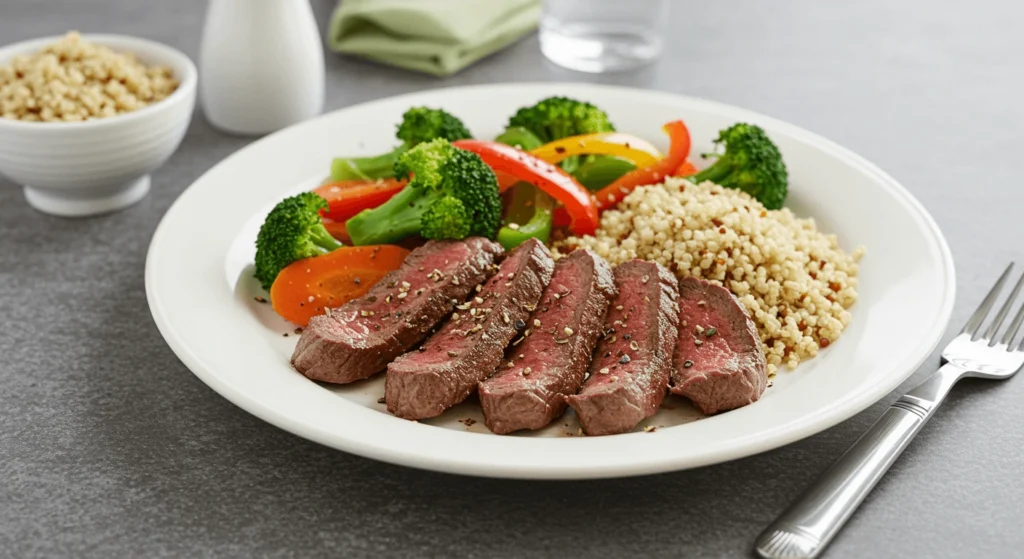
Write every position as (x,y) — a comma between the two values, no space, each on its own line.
(974,323)
(1014,328)
(990,334)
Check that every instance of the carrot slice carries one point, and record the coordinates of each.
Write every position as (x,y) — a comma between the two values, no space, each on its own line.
(347,198)
(306,287)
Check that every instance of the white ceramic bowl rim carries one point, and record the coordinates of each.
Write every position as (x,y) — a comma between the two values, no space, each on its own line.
(165,55)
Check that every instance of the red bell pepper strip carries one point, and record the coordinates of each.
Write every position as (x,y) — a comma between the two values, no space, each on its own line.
(349,197)
(575,199)
(679,149)
(685,170)
(611,195)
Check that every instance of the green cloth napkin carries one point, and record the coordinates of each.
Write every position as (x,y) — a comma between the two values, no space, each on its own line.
(438,37)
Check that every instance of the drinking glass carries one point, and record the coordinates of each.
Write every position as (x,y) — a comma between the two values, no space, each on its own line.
(603,35)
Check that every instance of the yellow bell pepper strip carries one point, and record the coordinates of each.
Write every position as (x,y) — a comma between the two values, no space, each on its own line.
(626,146)
(611,195)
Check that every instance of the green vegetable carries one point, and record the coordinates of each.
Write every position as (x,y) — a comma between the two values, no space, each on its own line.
(517,136)
(452,194)
(529,215)
(530,210)
(292,231)
(558,117)
(751,163)
(598,172)
(419,124)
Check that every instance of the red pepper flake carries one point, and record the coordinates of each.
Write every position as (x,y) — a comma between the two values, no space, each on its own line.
(721,230)
(834,286)
(823,343)
(717,222)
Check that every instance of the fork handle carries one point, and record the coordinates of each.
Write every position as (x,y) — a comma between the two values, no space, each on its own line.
(806,528)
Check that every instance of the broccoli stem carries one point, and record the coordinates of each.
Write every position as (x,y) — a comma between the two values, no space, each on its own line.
(366,168)
(390,222)
(718,171)
(322,238)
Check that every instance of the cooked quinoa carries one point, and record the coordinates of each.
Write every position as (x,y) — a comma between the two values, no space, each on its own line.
(796,283)
(74,80)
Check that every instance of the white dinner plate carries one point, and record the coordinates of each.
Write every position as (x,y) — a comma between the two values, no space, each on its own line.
(201,293)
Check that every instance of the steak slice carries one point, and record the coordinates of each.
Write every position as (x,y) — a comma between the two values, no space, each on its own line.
(361,337)
(549,364)
(719,363)
(633,359)
(466,350)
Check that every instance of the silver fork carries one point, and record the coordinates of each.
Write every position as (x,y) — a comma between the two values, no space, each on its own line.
(806,528)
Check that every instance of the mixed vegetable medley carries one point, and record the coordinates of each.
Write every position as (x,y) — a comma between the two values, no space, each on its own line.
(557,165)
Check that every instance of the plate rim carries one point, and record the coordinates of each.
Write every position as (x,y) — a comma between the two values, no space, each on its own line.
(844,409)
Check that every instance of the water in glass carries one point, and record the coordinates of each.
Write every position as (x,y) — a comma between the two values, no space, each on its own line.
(603,35)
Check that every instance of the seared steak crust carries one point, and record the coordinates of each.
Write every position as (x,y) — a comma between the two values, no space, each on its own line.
(719,363)
(529,388)
(630,371)
(360,338)
(466,350)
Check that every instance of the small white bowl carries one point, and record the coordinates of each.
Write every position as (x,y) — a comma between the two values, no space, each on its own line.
(102,165)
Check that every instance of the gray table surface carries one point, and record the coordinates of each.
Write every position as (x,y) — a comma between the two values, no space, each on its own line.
(109,447)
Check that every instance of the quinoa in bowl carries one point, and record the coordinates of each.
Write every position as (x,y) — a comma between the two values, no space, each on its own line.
(75,80)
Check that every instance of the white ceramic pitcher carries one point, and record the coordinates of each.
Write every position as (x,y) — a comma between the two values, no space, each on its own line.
(261,65)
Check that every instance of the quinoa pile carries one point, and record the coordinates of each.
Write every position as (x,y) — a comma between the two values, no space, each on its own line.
(796,283)
(74,80)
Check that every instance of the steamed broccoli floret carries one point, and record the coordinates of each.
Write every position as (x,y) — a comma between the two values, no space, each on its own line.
(452,194)
(292,231)
(419,124)
(558,117)
(751,163)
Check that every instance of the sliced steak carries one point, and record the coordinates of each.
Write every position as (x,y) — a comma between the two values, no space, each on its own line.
(528,391)
(467,349)
(360,338)
(719,363)
(633,359)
